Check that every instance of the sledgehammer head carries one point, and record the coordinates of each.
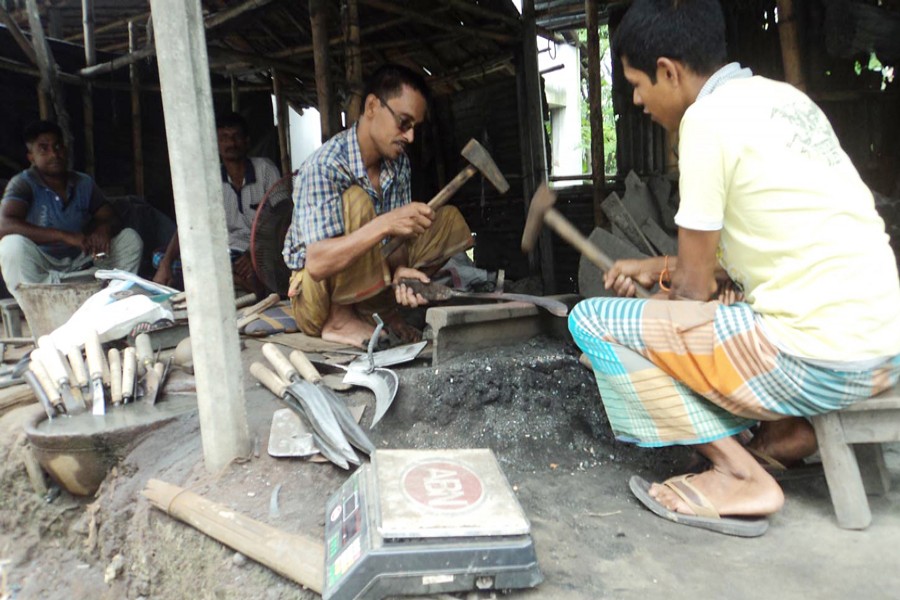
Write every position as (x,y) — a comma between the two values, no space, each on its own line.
(481,160)
(543,200)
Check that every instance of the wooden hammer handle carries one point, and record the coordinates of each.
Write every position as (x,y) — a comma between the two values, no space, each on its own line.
(435,203)
(569,233)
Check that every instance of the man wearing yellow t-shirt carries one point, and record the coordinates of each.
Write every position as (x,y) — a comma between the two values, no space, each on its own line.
(771,206)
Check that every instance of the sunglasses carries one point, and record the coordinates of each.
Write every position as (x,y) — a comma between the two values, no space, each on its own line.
(404,124)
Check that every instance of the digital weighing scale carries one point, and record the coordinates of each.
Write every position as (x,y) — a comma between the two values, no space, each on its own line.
(426,522)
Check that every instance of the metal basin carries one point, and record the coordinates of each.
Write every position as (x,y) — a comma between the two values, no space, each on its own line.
(79,451)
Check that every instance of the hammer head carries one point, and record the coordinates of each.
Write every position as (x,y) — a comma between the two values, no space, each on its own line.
(543,200)
(481,160)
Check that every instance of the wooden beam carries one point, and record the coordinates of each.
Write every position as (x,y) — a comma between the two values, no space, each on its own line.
(229,14)
(220,55)
(353,60)
(87,92)
(391,7)
(235,95)
(534,146)
(479,11)
(137,137)
(18,36)
(118,62)
(790,44)
(75,37)
(318,18)
(595,107)
(283,118)
(307,49)
(194,160)
(48,68)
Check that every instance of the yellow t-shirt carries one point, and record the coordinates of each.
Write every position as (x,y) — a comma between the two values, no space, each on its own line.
(759,161)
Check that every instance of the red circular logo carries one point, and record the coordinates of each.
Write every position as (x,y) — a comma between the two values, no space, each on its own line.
(443,486)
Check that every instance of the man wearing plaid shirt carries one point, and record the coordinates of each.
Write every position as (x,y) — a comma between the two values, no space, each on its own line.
(351,196)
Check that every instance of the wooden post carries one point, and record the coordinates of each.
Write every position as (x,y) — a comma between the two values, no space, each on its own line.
(193,155)
(354,60)
(47,66)
(283,117)
(595,106)
(18,36)
(137,137)
(535,162)
(87,91)
(235,95)
(790,45)
(318,18)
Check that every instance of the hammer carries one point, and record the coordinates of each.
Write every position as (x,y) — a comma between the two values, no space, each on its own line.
(479,160)
(541,211)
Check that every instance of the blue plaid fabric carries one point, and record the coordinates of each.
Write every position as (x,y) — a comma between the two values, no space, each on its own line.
(683,372)
(323,178)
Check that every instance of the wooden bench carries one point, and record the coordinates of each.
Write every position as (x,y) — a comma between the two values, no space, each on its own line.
(850,445)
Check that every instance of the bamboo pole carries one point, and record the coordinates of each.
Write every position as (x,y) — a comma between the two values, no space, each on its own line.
(235,95)
(354,60)
(48,68)
(446,25)
(318,18)
(296,52)
(536,158)
(118,62)
(193,155)
(18,36)
(87,92)
(790,44)
(108,26)
(283,123)
(300,558)
(595,103)
(230,14)
(137,137)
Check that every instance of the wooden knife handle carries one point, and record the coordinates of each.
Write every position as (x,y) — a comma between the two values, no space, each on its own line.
(279,362)
(94,352)
(115,376)
(304,367)
(40,372)
(79,369)
(269,379)
(51,359)
(129,365)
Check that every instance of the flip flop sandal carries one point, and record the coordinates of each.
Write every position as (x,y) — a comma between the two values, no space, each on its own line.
(277,319)
(705,517)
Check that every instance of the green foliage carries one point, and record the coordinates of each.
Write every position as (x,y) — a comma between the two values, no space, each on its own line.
(609,117)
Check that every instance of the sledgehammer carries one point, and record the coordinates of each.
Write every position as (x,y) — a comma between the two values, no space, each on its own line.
(479,160)
(541,211)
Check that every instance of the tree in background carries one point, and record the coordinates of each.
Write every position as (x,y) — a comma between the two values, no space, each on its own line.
(609,117)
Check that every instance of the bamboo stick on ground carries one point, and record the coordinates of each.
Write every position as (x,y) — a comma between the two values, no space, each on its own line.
(299,558)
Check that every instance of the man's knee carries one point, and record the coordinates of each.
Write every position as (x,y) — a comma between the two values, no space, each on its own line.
(126,249)
(15,246)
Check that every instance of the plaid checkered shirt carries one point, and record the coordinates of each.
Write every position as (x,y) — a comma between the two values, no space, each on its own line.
(323,178)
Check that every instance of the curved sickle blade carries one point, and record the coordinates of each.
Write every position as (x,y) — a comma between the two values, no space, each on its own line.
(382,382)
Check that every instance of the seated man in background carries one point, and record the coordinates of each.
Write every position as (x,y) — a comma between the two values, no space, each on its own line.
(769,203)
(56,224)
(245,181)
(352,195)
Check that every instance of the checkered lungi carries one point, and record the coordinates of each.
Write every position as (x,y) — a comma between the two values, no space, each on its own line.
(686,372)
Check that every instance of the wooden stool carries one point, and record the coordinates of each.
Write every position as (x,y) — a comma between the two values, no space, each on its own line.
(12,318)
(851,472)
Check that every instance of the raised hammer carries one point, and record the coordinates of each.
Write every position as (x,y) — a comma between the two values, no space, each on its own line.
(541,211)
(479,160)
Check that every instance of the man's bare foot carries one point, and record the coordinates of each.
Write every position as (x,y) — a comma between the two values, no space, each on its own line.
(736,485)
(344,326)
(397,325)
(788,441)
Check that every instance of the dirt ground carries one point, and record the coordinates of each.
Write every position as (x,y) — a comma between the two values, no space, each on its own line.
(535,406)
